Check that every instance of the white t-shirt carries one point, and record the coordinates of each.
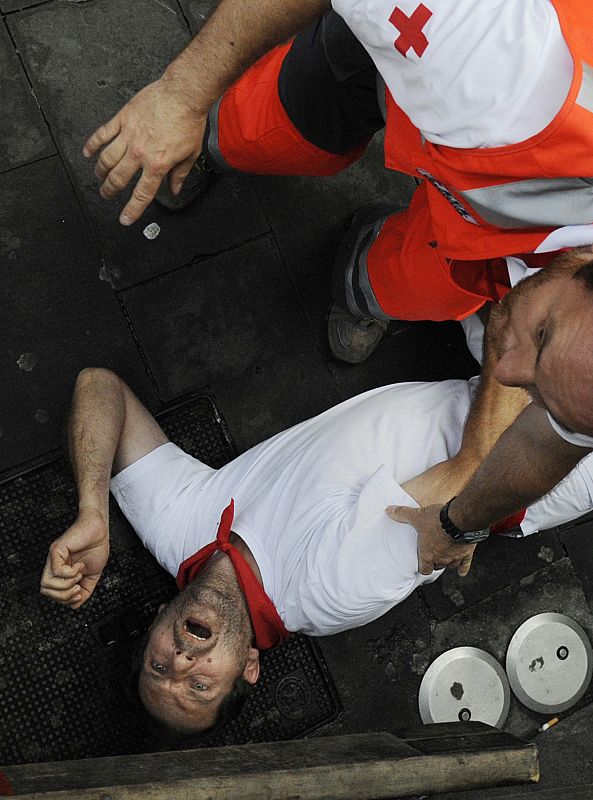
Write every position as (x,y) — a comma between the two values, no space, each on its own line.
(310,503)
(483,74)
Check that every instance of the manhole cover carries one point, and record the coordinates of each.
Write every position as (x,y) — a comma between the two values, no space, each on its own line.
(464,684)
(549,662)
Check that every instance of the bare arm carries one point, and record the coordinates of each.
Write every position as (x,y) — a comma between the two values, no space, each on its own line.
(494,409)
(526,462)
(160,130)
(108,429)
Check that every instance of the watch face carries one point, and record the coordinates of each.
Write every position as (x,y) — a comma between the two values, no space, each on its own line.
(471,537)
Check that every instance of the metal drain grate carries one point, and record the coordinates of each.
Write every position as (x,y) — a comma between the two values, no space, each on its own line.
(62,692)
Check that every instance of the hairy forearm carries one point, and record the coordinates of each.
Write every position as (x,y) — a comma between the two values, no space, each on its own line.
(494,409)
(94,428)
(526,462)
(235,36)
(495,406)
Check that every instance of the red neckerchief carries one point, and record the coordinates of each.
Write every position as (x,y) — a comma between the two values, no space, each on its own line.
(268,627)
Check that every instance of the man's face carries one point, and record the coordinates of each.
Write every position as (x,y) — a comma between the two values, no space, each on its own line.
(546,345)
(199,645)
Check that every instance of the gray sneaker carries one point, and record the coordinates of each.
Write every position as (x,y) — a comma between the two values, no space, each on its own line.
(353,339)
(197,182)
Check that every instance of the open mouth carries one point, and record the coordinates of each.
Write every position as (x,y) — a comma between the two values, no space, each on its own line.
(197,629)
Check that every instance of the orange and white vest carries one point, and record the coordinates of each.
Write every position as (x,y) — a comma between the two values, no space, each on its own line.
(533,196)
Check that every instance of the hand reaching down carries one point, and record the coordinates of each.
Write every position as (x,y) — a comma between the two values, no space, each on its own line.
(76,560)
(159,131)
(436,549)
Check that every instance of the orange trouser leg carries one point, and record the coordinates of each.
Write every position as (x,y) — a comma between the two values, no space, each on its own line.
(408,275)
(250,131)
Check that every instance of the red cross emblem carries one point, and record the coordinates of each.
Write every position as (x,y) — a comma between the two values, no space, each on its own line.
(410,29)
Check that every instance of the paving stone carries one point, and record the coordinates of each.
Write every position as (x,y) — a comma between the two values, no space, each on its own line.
(58,315)
(578,541)
(23,132)
(233,322)
(7,6)
(308,217)
(197,12)
(490,625)
(569,743)
(85,61)
(498,562)
(375,669)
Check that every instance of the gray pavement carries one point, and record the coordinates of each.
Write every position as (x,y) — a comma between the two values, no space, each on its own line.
(231,297)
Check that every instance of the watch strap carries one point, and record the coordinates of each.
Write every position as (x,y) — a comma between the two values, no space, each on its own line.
(459,536)
(447,525)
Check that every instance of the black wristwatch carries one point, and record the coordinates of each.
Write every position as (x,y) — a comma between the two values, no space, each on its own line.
(459,536)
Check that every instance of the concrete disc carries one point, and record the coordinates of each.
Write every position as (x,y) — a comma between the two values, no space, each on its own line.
(464,684)
(549,663)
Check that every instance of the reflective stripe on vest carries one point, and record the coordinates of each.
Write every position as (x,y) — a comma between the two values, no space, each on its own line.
(539,202)
(535,203)
(585,95)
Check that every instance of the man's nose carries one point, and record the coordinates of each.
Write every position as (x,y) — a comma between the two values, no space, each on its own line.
(182,662)
(516,367)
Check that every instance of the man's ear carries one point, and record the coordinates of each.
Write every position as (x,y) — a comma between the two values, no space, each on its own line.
(251,671)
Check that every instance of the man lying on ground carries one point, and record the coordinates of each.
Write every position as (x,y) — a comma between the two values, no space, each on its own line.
(304,543)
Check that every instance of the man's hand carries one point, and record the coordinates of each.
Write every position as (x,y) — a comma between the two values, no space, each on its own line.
(159,131)
(76,560)
(436,549)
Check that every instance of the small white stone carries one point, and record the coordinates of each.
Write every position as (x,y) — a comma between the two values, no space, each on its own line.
(151,231)
(27,361)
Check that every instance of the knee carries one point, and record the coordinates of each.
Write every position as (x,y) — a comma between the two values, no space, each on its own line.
(96,376)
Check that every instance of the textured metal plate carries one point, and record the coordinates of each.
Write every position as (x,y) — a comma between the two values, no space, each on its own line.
(549,663)
(62,673)
(464,684)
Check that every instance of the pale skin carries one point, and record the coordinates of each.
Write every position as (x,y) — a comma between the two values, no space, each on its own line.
(184,678)
(160,130)
(107,430)
(543,347)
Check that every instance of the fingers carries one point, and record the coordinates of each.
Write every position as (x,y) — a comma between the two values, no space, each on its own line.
(58,560)
(65,596)
(101,136)
(110,157)
(142,196)
(60,580)
(402,514)
(465,565)
(118,177)
(461,565)
(64,589)
(179,173)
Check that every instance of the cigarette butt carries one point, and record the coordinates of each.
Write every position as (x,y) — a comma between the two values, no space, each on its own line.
(549,724)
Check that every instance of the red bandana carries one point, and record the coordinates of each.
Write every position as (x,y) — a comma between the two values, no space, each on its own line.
(267,625)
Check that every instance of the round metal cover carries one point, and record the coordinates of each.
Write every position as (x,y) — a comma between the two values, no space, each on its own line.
(549,662)
(464,684)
